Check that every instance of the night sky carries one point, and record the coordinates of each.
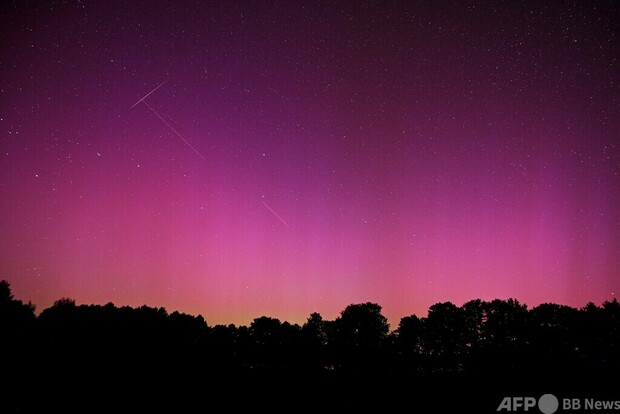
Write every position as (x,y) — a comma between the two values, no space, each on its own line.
(303,156)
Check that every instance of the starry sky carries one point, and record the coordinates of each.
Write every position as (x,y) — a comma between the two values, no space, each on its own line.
(303,156)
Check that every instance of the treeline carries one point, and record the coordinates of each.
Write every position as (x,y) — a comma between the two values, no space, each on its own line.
(478,336)
(78,358)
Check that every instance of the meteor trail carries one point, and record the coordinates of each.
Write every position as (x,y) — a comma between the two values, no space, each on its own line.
(275,214)
(174,130)
(144,97)
(166,122)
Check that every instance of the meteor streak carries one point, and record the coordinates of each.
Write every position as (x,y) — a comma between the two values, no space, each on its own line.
(166,122)
(275,214)
(145,96)
(174,130)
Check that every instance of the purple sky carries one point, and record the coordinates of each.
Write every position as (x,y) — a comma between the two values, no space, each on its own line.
(302,156)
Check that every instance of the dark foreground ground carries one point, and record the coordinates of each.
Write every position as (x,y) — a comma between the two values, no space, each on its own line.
(92,358)
(107,386)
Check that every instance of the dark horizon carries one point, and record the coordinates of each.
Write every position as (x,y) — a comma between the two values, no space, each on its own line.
(115,354)
(75,302)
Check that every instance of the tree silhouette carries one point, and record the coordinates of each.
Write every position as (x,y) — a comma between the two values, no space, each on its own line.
(474,319)
(360,335)
(409,336)
(314,342)
(5,292)
(444,334)
(609,331)
(553,330)
(266,340)
(314,330)
(75,347)
(16,318)
(18,358)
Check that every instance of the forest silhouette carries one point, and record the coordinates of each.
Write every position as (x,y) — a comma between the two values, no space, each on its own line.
(71,351)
